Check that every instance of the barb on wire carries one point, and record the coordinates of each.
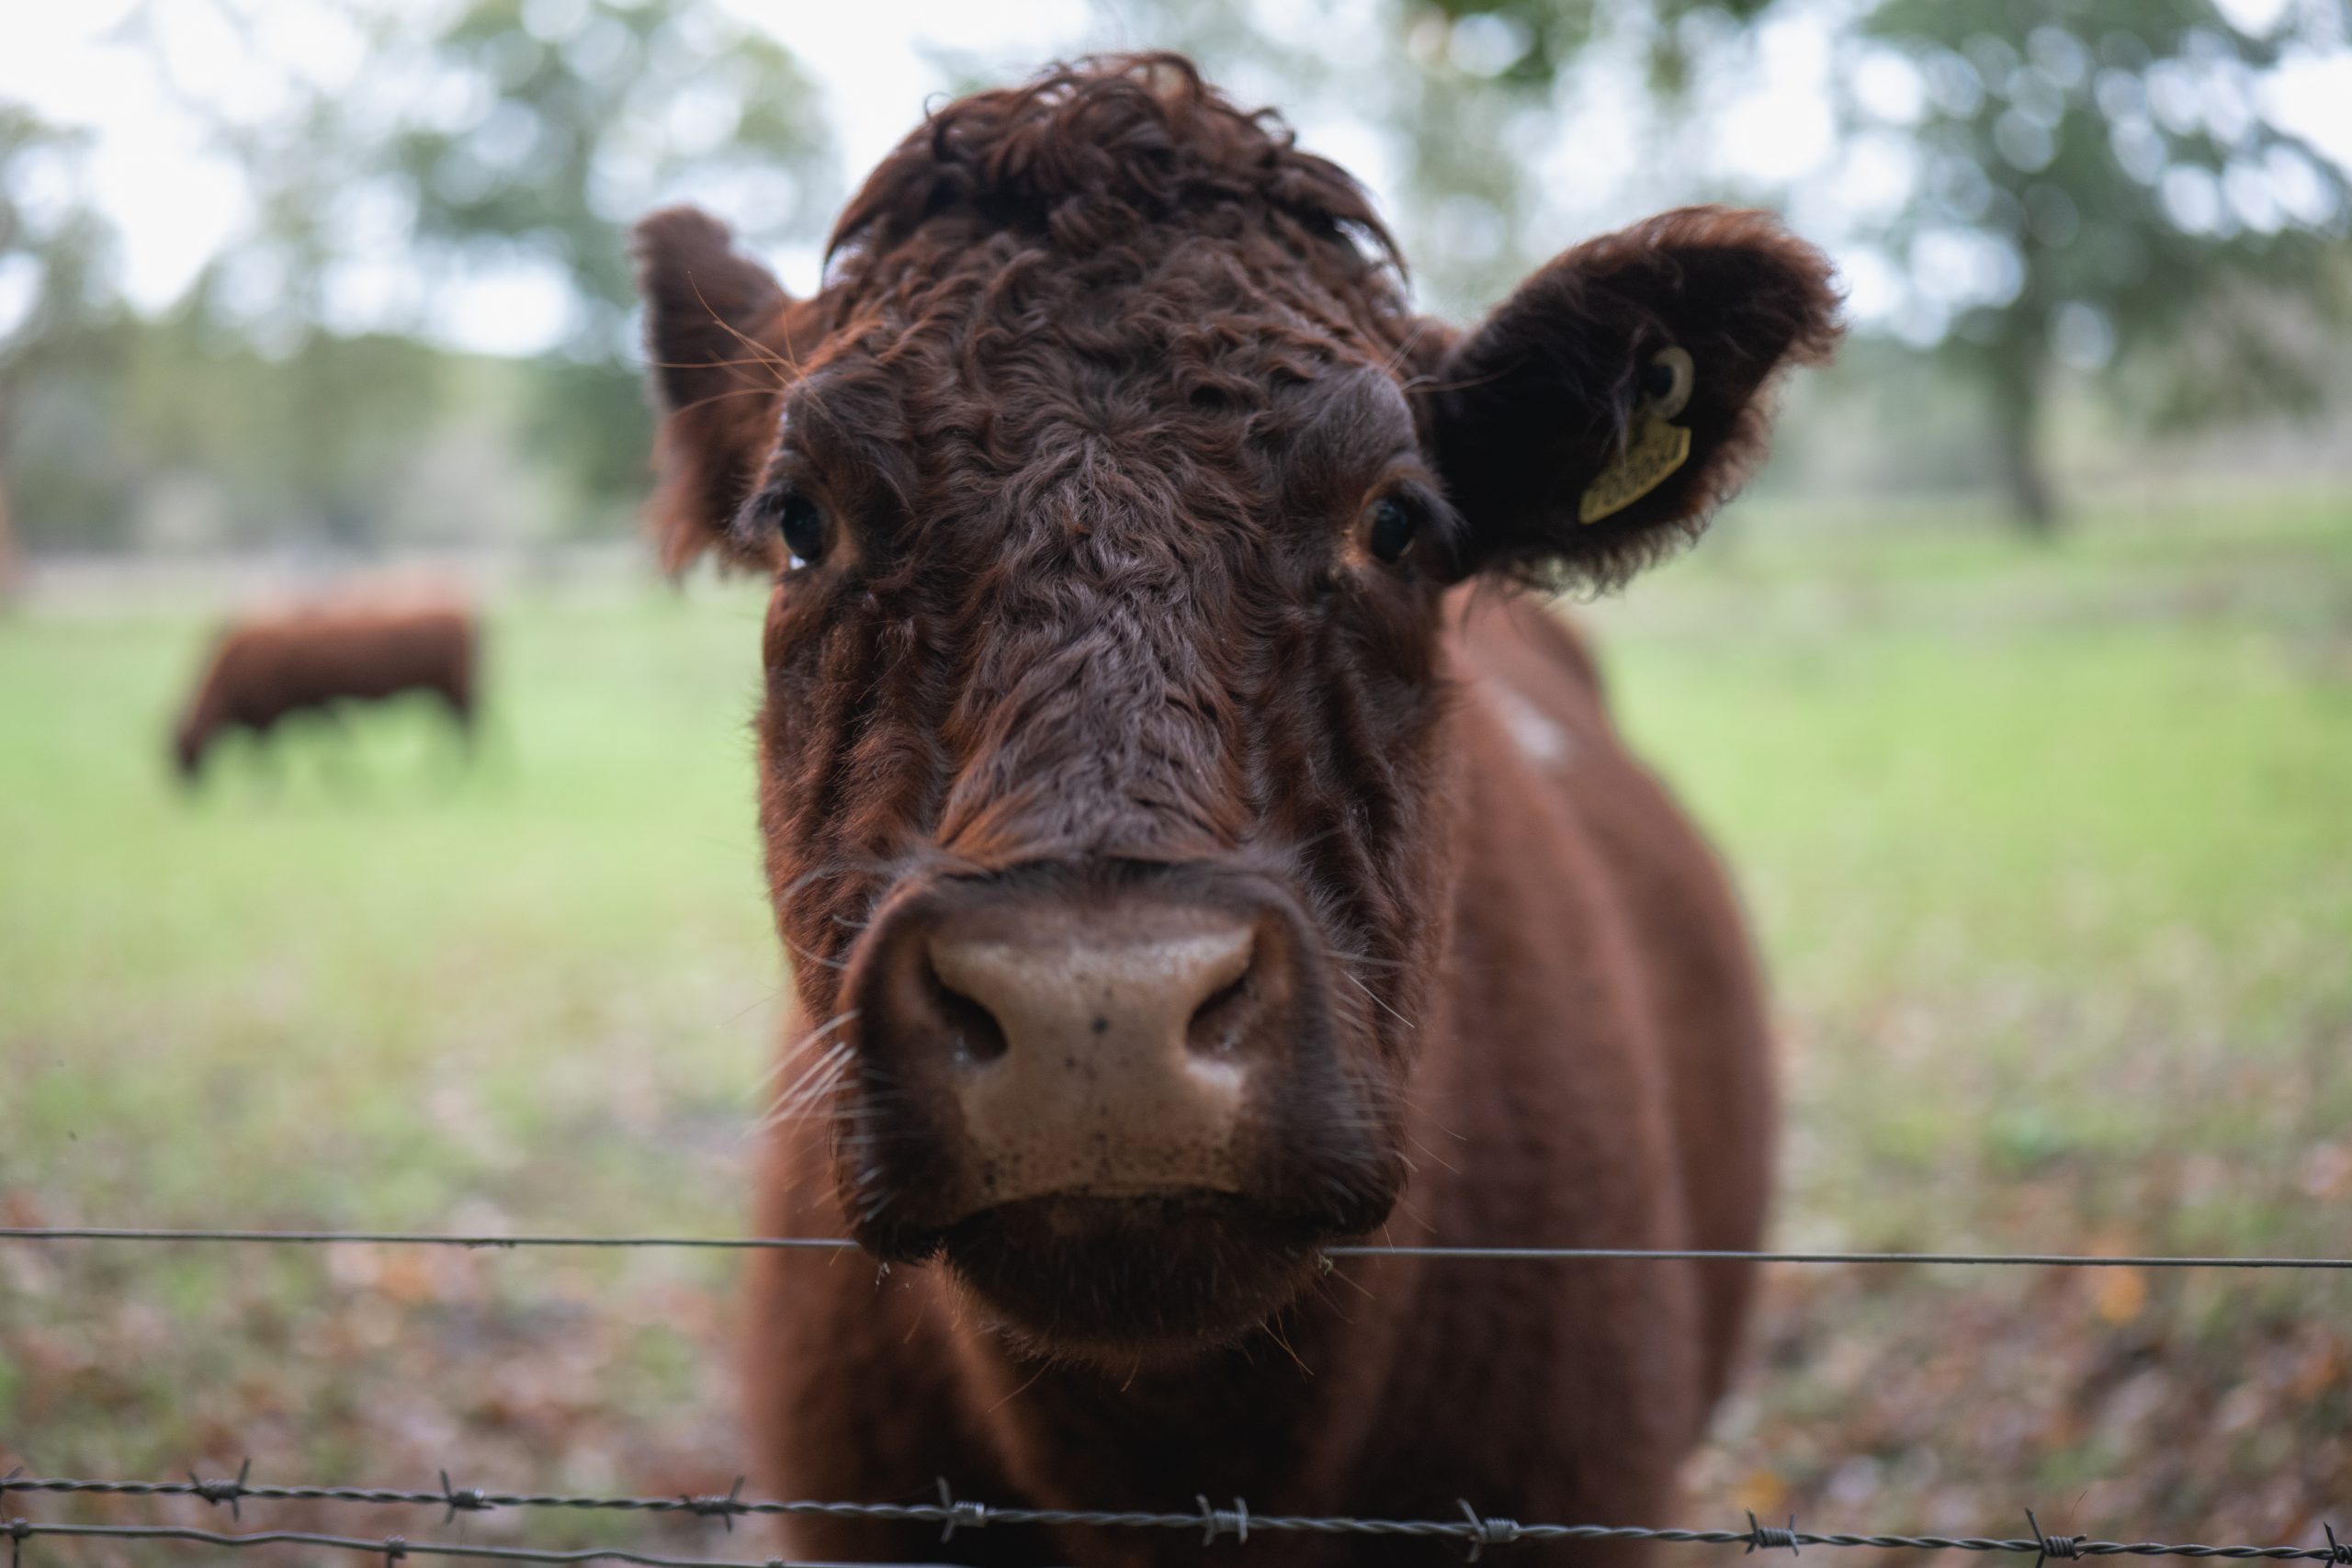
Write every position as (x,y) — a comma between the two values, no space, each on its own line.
(1764,1537)
(1475,1530)
(1359,1250)
(966,1515)
(1215,1522)
(1487,1532)
(470,1500)
(2066,1548)
(723,1509)
(222,1490)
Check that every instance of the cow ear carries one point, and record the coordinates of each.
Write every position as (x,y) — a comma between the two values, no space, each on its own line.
(1601,413)
(718,354)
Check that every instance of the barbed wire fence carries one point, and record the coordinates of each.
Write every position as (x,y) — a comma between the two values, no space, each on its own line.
(1474,1531)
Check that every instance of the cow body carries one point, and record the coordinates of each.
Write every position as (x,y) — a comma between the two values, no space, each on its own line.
(267,666)
(1187,864)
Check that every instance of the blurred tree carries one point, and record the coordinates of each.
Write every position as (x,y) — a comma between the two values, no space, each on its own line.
(482,161)
(2093,183)
(310,443)
(185,437)
(1485,105)
(55,305)
(1528,43)
(553,125)
(2100,185)
(556,125)
(568,121)
(1462,112)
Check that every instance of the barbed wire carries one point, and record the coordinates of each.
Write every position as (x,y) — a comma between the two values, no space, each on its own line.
(1364,1249)
(1475,1530)
(393,1548)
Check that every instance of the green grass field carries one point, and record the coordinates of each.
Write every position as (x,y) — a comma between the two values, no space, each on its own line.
(2050,851)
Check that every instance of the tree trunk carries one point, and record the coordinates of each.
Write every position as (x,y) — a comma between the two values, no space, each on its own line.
(12,565)
(2017,415)
(12,557)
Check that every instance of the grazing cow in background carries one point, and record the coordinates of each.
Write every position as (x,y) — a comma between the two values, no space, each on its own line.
(1190,863)
(267,665)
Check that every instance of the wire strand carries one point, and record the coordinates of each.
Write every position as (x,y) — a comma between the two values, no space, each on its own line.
(1448,1253)
(393,1548)
(952,1513)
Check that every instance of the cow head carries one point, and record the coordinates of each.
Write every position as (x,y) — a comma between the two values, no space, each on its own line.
(1112,494)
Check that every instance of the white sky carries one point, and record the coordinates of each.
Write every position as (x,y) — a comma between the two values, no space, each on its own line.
(867,54)
(176,204)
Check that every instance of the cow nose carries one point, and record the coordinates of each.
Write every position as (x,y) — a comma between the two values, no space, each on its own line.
(1134,1002)
(1090,1047)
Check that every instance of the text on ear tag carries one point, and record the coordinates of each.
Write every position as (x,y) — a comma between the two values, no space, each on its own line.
(1655,449)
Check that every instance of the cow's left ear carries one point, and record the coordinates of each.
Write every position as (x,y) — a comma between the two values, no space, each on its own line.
(1603,411)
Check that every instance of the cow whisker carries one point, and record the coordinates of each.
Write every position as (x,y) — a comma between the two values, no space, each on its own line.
(809,878)
(764,363)
(820,1080)
(786,370)
(1383,1006)
(1434,1155)
(723,395)
(800,952)
(1360,960)
(793,1052)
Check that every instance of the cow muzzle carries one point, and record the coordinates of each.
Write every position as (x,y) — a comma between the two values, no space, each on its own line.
(1102,1062)
(1108,1096)
(1089,1042)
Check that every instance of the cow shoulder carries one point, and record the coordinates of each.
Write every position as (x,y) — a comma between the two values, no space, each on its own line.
(1529,668)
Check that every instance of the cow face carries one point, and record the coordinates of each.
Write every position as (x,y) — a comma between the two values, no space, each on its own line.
(1111,495)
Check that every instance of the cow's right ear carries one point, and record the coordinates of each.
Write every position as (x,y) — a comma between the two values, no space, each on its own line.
(718,362)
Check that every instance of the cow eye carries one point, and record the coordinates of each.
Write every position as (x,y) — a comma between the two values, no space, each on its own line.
(1392,526)
(801,523)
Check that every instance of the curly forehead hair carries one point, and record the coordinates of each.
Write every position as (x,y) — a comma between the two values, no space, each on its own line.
(1111,272)
(1090,156)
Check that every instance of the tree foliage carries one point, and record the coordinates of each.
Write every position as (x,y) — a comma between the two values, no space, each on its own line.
(486,157)
(2093,183)
(566,122)
(55,305)
(1484,104)
(53,245)
(2101,184)
(1528,43)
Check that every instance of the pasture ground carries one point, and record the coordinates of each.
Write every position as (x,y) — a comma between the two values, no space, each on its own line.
(2050,848)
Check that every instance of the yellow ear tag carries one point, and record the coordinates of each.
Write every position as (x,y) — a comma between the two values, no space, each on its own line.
(1655,450)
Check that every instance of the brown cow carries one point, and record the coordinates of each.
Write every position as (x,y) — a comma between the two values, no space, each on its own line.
(268,664)
(1189,866)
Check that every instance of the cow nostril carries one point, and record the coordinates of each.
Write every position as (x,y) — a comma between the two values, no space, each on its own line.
(975,1038)
(1217,1024)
